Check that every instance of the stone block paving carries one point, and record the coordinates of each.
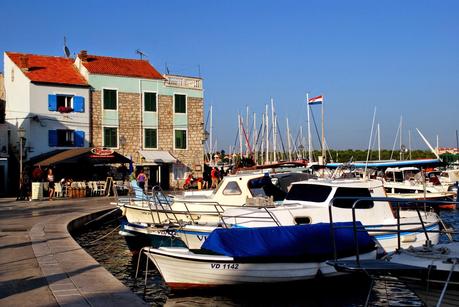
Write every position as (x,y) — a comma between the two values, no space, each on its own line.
(41,264)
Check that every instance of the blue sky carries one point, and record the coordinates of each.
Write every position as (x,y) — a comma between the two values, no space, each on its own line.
(401,57)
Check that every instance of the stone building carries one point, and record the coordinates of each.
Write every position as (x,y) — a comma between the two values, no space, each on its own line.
(155,119)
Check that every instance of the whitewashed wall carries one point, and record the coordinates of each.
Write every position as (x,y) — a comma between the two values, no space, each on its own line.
(52,120)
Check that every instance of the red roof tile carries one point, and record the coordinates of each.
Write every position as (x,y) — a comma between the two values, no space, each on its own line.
(48,69)
(104,65)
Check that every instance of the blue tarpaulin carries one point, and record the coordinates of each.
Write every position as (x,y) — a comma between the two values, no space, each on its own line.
(311,242)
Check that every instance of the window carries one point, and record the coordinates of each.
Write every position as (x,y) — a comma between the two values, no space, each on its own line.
(110,97)
(232,188)
(180,139)
(151,138)
(65,138)
(64,101)
(110,137)
(180,103)
(149,100)
(309,192)
(352,192)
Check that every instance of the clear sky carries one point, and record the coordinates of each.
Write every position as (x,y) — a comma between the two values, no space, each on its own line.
(401,57)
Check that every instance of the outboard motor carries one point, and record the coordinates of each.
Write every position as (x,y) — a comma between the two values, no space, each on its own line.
(454,188)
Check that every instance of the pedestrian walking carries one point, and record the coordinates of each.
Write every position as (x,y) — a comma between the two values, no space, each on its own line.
(50,179)
(141,178)
(214,176)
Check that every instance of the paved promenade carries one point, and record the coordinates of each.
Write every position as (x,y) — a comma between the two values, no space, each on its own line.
(41,264)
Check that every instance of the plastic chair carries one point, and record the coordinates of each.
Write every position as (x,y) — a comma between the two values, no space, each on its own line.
(58,190)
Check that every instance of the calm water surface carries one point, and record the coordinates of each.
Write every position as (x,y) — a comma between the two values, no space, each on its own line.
(104,243)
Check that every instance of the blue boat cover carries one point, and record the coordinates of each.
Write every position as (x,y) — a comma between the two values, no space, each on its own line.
(311,242)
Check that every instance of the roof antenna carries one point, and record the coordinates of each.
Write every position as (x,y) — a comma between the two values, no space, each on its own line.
(66,49)
(167,68)
(141,53)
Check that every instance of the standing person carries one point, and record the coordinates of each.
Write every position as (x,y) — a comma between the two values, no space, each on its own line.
(141,178)
(50,179)
(205,178)
(214,177)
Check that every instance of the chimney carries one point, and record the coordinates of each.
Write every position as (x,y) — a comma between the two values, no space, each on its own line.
(83,55)
(24,63)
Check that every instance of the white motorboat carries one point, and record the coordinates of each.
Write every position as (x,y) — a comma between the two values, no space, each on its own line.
(308,202)
(431,271)
(409,183)
(263,255)
(205,207)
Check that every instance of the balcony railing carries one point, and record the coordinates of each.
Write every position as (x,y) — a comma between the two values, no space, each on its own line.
(183,82)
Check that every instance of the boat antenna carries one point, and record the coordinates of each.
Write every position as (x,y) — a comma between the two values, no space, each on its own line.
(428,144)
(369,143)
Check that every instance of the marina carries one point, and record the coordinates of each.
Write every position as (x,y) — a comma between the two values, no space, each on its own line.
(231,153)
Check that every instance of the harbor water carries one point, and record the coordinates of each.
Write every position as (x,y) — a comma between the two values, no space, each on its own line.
(102,241)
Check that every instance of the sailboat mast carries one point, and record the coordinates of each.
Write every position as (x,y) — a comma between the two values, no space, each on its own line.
(324,155)
(289,145)
(379,144)
(211,136)
(254,136)
(240,134)
(309,130)
(273,118)
(401,133)
(409,141)
(247,132)
(267,134)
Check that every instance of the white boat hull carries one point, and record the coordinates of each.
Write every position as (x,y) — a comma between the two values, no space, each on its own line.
(181,268)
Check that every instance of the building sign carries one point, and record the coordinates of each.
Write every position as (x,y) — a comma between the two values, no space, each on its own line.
(98,152)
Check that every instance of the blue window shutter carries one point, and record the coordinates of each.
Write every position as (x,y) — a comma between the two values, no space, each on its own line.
(78,103)
(52,102)
(52,138)
(79,138)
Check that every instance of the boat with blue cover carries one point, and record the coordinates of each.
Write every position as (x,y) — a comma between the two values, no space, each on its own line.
(260,255)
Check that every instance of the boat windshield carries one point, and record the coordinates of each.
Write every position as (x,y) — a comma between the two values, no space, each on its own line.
(353,192)
(264,186)
(315,193)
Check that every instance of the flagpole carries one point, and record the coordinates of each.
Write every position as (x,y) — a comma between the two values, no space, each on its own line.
(309,130)
(324,158)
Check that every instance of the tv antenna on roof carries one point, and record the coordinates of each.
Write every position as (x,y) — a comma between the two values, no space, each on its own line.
(141,53)
(66,49)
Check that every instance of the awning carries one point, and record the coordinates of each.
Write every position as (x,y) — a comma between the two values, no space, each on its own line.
(157,156)
(85,155)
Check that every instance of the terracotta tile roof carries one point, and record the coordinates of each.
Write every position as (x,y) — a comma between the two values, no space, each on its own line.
(104,65)
(48,69)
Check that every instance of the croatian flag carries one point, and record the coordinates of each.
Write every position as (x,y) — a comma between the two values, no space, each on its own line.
(316,100)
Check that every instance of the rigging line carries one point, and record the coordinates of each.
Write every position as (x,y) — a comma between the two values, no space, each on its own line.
(317,130)
(395,142)
(280,137)
(258,135)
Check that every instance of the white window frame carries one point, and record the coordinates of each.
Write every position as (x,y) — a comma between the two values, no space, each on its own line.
(186,103)
(102,98)
(117,136)
(157,136)
(187,138)
(143,101)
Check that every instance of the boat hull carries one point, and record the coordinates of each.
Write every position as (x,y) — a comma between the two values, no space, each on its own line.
(182,269)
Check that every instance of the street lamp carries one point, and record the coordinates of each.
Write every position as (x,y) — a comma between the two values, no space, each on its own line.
(21,135)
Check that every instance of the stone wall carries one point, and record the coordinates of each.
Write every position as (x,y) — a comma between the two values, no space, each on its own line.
(194,155)
(95,119)
(130,119)
(165,122)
